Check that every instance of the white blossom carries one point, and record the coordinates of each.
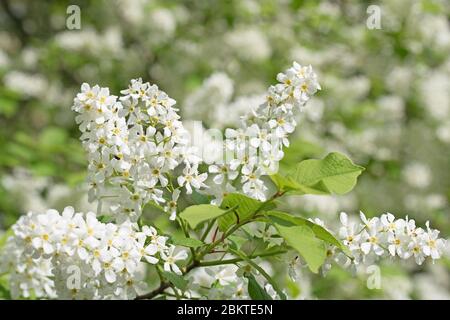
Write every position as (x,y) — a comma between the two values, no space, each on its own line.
(170,258)
(134,143)
(45,249)
(373,238)
(256,146)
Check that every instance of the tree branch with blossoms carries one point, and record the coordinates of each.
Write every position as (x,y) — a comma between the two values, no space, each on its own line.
(140,153)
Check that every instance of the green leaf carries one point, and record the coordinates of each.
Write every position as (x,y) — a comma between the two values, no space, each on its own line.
(245,207)
(199,198)
(197,214)
(255,291)
(334,174)
(236,242)
(187,242)
(4,237)
(4,292)
(302,238)
(288,184)
(105,218)
(252,246)
(175,279)
(319,231)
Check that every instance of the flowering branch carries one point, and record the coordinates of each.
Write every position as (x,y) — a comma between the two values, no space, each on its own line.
(139,153)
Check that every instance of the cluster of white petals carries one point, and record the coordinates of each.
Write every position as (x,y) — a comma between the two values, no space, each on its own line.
(133,144)
(255,148)
(372,238)
(75,256)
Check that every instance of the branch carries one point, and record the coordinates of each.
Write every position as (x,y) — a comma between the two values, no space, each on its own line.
(215,243)
(165,285)
(196,263)
(235,260)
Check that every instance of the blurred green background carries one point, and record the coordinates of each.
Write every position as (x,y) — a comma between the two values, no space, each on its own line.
(385,101)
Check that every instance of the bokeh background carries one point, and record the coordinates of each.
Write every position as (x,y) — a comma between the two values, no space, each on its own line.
(385,102)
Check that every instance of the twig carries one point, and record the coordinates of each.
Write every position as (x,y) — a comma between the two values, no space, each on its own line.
(165,285)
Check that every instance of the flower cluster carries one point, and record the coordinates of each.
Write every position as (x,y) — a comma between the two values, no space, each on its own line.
(372,238)
(133,145)
(75,256)
(254,149)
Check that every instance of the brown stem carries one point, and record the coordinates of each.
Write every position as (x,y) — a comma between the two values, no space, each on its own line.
(165,285)
(215,234)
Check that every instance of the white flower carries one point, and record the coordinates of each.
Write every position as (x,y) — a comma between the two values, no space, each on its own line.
(144,139)
(226,275)
(135,90)
(390,224)
(191,178)
(168,155)
(88,94)
(417,251)
(259,137)
(109,264)
(172,205)
(282,126)
(252,185)
(222,172)
(371,240)
(433,246)
(155,239)
(150,252)
(157,174)
(349,233)
(170,259)
(43,232)
(398,245)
